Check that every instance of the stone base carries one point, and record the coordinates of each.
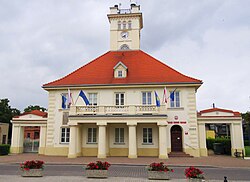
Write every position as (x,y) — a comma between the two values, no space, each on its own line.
(158,175)
(195,180)
(96,173)
(32,173)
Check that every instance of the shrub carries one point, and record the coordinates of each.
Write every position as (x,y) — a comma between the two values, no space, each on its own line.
(4,149)
(33,164)
(159,167)
(247,150)
(98,165)
(246,143)
(193,172)
(226,143)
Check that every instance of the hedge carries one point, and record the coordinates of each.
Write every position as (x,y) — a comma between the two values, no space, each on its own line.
(246,143)
(226,143)
(4,149)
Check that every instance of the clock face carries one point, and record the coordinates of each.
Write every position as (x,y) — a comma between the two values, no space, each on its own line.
(124,35)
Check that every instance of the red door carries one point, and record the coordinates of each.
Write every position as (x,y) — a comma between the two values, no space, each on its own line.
(176,139)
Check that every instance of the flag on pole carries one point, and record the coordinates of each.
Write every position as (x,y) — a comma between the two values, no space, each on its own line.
(64,100)
(165,97)
(70,100)
(83,96)
(172,95)
(157,100)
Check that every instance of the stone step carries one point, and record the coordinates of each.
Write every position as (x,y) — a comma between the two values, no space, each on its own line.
(179,154)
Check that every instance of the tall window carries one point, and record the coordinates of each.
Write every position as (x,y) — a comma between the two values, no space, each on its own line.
(119,99)
(124,25)
(176,99)
(65,132)
(119,25)
(129,24)
(146,98)
(91,135)
(119,135)
(93,99)
(147,136)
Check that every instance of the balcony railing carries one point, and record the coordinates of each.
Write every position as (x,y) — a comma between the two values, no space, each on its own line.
(117,110)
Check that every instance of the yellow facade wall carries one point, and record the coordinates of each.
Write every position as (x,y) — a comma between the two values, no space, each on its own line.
(57,151)
(148,152)
(91,152)
(118,152)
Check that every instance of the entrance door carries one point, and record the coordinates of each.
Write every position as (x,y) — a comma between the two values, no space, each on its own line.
(176,139)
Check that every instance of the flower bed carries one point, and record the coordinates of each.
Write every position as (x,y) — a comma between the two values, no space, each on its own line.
(158,171)
(97,169)
(194,174)
(33,168)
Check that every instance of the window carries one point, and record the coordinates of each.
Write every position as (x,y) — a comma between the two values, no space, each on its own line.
(119,99)
(176,99)
(4,141)
(147,136)
(65,118)
(28,135)
(36,135)
(129,24)
(91,135)
(119,135)
(93,99)
(65,135)
(119,73)
(124,25)
(119,25)
(124,47)
(146,98)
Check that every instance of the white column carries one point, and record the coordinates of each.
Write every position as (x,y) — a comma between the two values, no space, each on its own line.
(236,137)
(102,140)
(17,139)
(73,142)
(132,146)
(163,153)
(79,141)
(42,142)
(202,139)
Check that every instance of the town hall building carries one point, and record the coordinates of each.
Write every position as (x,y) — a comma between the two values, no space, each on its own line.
(126,103)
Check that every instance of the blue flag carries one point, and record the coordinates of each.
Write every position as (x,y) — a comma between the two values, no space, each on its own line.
(157,100)
(172,96)
(83,96)
(64,100)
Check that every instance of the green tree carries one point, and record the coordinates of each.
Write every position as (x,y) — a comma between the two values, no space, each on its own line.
(36,107)
(7,113)
(246,118)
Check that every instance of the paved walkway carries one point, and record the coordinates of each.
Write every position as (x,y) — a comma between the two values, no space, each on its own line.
(213,161)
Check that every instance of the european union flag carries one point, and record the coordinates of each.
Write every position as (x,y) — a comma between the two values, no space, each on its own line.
(83,96)
(64,100)
(157,100)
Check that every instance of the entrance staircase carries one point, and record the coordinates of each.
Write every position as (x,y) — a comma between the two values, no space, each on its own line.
(179,154)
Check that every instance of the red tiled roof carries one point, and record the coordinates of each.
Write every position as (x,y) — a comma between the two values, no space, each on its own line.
(236,114)
(35,112)
(142,69)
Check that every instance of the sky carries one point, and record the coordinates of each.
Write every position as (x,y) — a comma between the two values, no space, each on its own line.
(43,40)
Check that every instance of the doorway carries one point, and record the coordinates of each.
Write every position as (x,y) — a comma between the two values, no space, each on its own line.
(176,139)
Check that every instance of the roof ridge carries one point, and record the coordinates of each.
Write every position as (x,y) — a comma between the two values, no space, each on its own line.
(44,85)
(170,67)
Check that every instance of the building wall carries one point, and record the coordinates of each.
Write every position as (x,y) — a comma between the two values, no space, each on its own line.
(4,129)
(185,116)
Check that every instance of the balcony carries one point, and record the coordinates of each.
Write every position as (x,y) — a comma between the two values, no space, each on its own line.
(118,110)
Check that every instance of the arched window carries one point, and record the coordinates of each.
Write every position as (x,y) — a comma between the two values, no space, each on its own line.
(119,25)
(124,25)
(129,24)
(124,47)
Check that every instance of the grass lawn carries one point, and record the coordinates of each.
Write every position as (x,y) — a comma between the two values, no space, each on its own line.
(247,149)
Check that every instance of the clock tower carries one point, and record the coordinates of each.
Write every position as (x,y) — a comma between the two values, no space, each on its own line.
(125,27)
